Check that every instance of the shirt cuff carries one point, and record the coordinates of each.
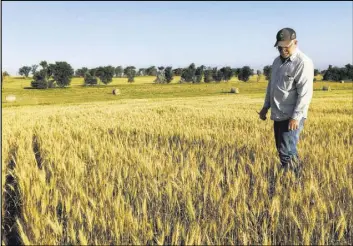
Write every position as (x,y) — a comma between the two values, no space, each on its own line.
(297,115)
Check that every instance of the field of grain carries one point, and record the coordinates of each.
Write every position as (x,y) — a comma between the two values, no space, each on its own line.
(172,164)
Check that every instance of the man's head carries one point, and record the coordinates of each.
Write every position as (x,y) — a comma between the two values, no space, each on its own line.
(286,42)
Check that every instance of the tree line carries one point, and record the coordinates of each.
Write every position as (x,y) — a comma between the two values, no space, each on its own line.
(60,74)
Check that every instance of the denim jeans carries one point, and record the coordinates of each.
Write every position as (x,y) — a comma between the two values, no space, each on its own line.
(286,142)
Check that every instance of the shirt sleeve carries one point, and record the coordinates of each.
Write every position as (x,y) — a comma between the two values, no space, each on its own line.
(267,104)
(304,84)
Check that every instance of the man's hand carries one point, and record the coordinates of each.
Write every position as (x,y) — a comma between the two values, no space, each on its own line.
(263,113)
(293,124)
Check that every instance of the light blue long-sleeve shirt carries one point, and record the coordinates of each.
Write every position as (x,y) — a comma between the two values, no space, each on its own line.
(290,90)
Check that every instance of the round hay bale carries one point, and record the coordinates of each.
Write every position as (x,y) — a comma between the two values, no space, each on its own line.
(326,88)
(116,92)
(234,90)
(342,81)
(10,98)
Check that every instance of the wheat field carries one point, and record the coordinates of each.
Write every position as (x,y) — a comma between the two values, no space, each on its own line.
(193,170)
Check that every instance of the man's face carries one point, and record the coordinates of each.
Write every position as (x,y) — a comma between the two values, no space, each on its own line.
(287,48)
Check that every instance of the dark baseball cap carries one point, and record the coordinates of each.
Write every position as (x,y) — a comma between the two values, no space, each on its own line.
(284,35)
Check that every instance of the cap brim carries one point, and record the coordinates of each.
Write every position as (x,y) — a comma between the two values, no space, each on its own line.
(283,43)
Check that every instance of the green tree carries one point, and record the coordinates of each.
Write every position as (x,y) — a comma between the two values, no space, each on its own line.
(89,79)
(141,72)
(236,71)
(199,73)
(188,74)
(40,80)
(349,71)
(151,71)
(218,75)
(316,72)
(34,68)
(62,73)
(227,73)
(24,71)
(119,71)
(160,76)
(267,72)
(105,74)
(208,75)
(81,72)
(178,71)
(168,72)
(5,74)
(245,73)
(43,64)
(130,73)
(92,71)
(258,72)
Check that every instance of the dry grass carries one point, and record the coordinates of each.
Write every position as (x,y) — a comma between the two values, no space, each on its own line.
(199,170)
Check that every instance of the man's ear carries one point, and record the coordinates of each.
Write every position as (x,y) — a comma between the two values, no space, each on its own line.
(296,42)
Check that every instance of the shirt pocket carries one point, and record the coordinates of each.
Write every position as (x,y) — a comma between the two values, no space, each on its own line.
(288,82)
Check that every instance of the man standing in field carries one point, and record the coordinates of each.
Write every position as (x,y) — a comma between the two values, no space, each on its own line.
(288,95)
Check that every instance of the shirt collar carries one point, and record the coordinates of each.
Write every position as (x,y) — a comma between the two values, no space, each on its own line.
(294,55)
(291,58)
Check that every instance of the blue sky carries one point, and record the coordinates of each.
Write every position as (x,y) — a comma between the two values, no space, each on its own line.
(171,33)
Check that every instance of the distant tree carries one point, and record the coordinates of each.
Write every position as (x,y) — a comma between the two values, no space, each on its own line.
(199,73)
(50,70)
(188,74)
(40,80)
(51,75)
(338,74)
(267,72)
(218,75)
(78,72)
(84,70)
(130,73)
(208,75)
(92,71)
(252,72)
(227,73)
(258,72)
(245,73)
(316,72)
(178,71)
(151,71)
(236,71)
(47,69)
(24,71)
(62,73)
(141,72)
(81,72)
(119,71)
(168,72)
(160,76)
(105,74)
(349,68)
(5,74)
(44,64)
(215,74)
(34,68)
(89,79)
